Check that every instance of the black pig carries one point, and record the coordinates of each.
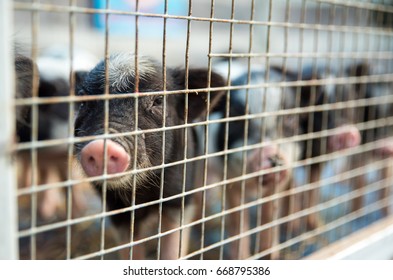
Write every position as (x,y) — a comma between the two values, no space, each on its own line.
(121,150)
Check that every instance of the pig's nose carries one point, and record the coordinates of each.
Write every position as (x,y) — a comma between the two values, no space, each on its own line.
(348,136)
(92,158)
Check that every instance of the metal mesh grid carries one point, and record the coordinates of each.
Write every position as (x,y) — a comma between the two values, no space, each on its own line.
(238,211)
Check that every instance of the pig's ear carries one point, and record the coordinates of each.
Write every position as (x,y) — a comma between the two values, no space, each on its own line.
(197,99)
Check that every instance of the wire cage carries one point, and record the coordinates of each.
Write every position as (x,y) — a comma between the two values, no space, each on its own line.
(196,129)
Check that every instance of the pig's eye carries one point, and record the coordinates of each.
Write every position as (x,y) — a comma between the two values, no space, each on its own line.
(82,105)
(157,101)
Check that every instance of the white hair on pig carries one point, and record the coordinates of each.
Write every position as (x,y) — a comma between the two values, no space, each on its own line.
(121,67)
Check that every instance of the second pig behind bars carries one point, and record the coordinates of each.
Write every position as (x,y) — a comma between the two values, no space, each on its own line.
(260,156)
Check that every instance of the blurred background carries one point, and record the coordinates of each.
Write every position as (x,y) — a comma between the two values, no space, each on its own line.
(281,36)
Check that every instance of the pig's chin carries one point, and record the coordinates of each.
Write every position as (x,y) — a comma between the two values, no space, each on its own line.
(129,181)
(125,181)
(118,182)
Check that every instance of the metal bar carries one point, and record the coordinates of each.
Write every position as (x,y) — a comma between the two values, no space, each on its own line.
(8,198)
(206,131)
(70,149)
(62,8)
(106,130)
(35,169)
(186,106)
(133,230)
(163,134)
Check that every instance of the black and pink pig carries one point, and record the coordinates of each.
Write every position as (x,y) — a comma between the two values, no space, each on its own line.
(145,150)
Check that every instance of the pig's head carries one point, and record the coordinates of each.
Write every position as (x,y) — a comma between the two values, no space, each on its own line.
(144,108)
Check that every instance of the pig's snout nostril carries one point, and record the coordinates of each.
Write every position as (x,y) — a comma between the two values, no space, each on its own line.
(93,162)
(276,161)
(113,158)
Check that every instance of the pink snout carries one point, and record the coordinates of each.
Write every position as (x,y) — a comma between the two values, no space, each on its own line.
(386,150)
(92,158)
(265,158)
(348,136)
(268,157)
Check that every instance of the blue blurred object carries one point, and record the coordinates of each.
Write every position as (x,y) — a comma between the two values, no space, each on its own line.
(147,26)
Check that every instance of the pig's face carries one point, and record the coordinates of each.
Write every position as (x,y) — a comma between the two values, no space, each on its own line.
(143,147)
